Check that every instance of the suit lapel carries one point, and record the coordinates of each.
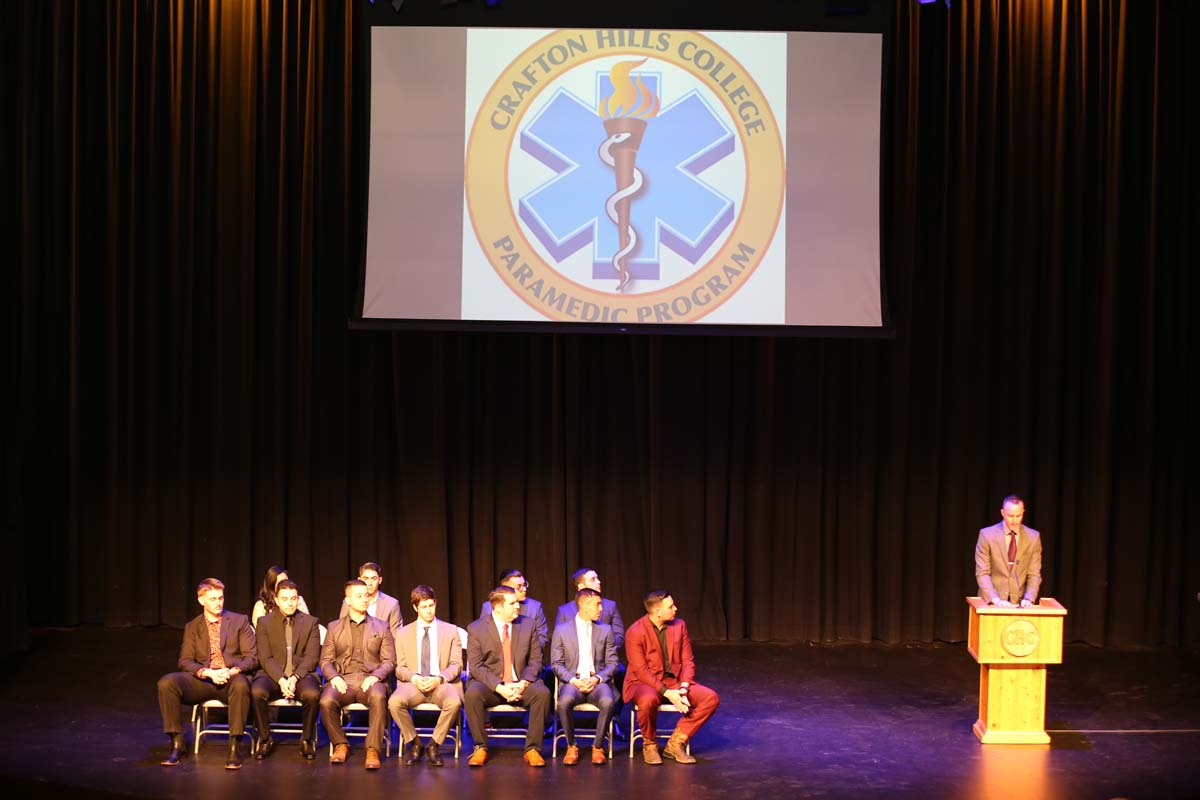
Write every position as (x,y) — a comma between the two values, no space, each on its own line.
(224,631)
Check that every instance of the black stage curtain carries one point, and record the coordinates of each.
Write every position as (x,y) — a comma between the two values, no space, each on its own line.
(185,397)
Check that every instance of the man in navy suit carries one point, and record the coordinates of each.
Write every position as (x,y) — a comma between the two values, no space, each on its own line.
(505,662)
(526,606)
(583,657)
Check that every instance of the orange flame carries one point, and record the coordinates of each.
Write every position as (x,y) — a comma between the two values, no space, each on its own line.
(631,97)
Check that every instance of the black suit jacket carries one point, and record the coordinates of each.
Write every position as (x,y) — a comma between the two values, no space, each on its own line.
(272,644)
(485,655)
(238,646)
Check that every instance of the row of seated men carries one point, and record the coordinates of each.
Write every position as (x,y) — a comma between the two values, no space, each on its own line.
(224,658)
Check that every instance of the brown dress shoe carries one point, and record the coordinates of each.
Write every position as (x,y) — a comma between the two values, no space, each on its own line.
(340,752)
(677,749)
(372,758)
(534,759)
(478,758)
(572,756)
(598,756)
(650,753)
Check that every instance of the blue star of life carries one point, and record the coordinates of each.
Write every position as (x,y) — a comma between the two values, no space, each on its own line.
(675,209)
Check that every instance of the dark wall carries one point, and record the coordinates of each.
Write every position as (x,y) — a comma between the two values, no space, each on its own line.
(185,397)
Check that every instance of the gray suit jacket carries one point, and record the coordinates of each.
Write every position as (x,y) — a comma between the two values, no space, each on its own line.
(448,660)
(991,564)
(564,651)
(379,648)
(533,610)
(609,615)
(387,608)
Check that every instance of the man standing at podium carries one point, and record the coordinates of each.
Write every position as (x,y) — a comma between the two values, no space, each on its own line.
(1008,559)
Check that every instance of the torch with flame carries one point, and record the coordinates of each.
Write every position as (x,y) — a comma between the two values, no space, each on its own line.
(625,112)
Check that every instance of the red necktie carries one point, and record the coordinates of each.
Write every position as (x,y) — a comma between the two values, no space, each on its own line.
(506,645)
(1012,547)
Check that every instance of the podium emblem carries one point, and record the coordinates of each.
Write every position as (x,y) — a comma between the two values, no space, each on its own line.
(1019,638)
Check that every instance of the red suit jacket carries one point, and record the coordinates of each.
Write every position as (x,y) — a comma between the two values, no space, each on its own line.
(645,656)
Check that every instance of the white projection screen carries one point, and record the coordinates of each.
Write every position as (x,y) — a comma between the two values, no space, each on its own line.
(624,179)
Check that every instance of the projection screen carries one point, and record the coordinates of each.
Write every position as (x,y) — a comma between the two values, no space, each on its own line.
(624,178)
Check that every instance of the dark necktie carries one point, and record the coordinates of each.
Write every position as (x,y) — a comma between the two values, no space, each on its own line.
(1012,547)
(287,641)
(426,665)
(506,646)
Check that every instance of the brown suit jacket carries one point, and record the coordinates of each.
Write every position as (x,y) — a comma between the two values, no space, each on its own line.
(379,649)
(238,646)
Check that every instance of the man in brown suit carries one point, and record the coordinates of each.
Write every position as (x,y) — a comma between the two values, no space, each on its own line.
(218,648)
(1008,559)
(428,669)
(358,656)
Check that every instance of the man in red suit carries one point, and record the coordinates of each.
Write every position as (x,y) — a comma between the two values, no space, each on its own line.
(661,668)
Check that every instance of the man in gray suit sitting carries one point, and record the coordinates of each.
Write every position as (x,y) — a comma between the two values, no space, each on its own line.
(583,657)
(358,656)
(1008,559)
(428,668)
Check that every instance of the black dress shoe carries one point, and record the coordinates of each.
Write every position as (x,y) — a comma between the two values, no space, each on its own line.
(308,749)
(177,749)
(412,752)
(233,760)
(432,754)
(265,747)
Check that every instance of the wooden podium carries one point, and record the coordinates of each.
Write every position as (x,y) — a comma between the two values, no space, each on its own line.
(1013,647)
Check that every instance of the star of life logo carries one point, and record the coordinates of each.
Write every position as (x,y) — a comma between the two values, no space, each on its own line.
(624,176)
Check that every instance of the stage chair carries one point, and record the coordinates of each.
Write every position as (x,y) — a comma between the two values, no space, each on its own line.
(587,708)
(635,730)
(204,727)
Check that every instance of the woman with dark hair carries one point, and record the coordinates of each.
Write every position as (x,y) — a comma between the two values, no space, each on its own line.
(266,595)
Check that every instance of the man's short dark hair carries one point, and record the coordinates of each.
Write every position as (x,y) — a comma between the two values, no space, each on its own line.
(654,598)
(497,595)
(353,582)
(509,572)
(371,565)
(584,594)
(577,575)
(1012,500)
(208,584)
(279,587)
(422,592)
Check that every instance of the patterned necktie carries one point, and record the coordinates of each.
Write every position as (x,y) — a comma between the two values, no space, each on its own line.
(426,664)
(287,640)
(506,645)
(1012,547)
(215,659)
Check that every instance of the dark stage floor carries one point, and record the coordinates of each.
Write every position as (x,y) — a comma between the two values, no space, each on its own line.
(79,718)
